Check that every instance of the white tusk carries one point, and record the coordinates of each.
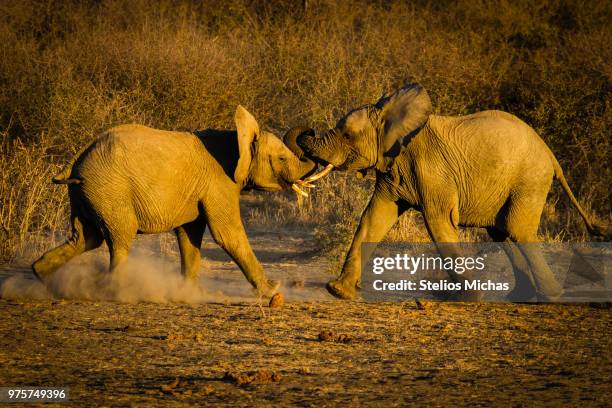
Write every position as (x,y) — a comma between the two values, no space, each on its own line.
(298,190)
(304,184)
(323,173)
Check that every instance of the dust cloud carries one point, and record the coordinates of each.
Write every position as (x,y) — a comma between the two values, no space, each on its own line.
(152,274)
(145,278)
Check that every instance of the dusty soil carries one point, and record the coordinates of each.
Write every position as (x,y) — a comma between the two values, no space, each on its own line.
(234,350)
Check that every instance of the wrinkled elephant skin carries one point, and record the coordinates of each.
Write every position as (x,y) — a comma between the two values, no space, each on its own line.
(133,179)
(488,169)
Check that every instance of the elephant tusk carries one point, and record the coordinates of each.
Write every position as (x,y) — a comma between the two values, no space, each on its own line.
(298,190)
(322,173)
(304,184)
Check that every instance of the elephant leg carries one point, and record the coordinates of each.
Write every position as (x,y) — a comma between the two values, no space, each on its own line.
(377,219)
(522,226)
(446,237)
(84,237)
(118,256)
(228,232)
(189,238)
(119,238)
(524,289)
(546,286)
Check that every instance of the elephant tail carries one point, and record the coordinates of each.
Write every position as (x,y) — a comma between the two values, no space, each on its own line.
(594,229)
(63,177)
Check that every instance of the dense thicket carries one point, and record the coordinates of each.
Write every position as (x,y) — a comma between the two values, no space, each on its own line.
(70,69)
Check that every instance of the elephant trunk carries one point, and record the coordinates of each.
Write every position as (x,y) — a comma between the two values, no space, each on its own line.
(304,166)
(326,149)
(290,139)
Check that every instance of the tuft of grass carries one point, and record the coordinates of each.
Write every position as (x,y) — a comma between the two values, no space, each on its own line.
(70,69)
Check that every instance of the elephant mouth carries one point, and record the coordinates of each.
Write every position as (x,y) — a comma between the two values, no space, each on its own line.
(301,187)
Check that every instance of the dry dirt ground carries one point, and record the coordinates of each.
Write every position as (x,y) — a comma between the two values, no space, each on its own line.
(227,348)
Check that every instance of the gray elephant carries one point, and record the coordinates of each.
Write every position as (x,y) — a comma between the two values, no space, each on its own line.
(488,169)
(137,180)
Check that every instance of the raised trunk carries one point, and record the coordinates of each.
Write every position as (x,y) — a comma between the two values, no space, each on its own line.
(324,149)
(290,140)
(305,182)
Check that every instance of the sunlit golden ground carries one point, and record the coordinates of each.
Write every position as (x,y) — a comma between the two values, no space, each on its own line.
(175,353)
(448,353)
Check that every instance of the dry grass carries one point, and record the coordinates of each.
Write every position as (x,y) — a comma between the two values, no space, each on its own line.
(447,354)
(70,69)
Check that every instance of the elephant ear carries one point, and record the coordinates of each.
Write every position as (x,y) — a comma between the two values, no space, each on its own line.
(248,132)
(402,114)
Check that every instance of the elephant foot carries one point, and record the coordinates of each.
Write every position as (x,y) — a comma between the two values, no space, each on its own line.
(40,275)
(193,279)
(549,298)
(524,293)
(341,290)
(36,273)
(521,295)
(269,289)
(550,292)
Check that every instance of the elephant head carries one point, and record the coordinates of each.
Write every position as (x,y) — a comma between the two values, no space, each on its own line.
(373,135)
(266,162)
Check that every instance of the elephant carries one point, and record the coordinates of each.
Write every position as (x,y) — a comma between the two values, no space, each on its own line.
(137,180)
(488,169)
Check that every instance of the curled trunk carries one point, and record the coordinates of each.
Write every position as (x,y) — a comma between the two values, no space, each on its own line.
(290,139)
(327,149)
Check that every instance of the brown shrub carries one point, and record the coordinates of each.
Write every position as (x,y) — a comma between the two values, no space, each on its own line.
(70,69)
